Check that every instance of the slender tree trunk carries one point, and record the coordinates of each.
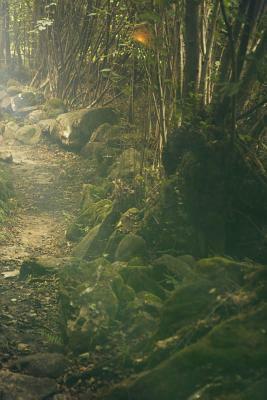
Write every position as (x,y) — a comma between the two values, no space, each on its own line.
(192,47)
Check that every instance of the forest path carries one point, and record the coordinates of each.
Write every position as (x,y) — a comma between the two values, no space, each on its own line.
(47,182)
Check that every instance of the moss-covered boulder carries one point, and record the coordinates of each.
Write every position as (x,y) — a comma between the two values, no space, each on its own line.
(130,221)
(36,116)
(107,227)
(25,100)
(93,193)
(90,217)
(131,246)
(124,293)
(127,166)
(54,107)
(28,134)
(75,128)
(171,270)
(83,247)
(101,156)
(141,280)
(188,304)
(88,303)
(223,269)
(166,224)
(232,348)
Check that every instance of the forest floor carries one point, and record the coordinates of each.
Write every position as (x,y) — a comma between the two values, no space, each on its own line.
(47,183)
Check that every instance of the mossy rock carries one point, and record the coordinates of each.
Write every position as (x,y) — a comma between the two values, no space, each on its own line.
(130,221)
(76,127)
(188,304)
(14,90)
(112,244)
(231,348)
(93,193)
(136,261)
(54,107)
(127,166)
(88,303)
(144,301)
(36,116)
(124,293)
(101,156)
(101,133)
(81,250)
(141,280)
(24,100)
(92,216)
(167,267)
(131,246)
(223,269)
(28,134)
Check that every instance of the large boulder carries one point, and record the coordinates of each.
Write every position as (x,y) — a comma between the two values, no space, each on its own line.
(75,128)
(131,246)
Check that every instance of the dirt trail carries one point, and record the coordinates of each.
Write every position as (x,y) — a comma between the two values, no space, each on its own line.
(47,182)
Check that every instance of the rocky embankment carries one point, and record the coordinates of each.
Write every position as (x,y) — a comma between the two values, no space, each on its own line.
(144,323)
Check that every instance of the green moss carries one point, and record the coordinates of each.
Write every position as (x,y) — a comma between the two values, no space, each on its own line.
(139,278)
(54,107)
(220,268)
(197,365)
(89,218)
(188,304)
(131,246)
(93,193)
